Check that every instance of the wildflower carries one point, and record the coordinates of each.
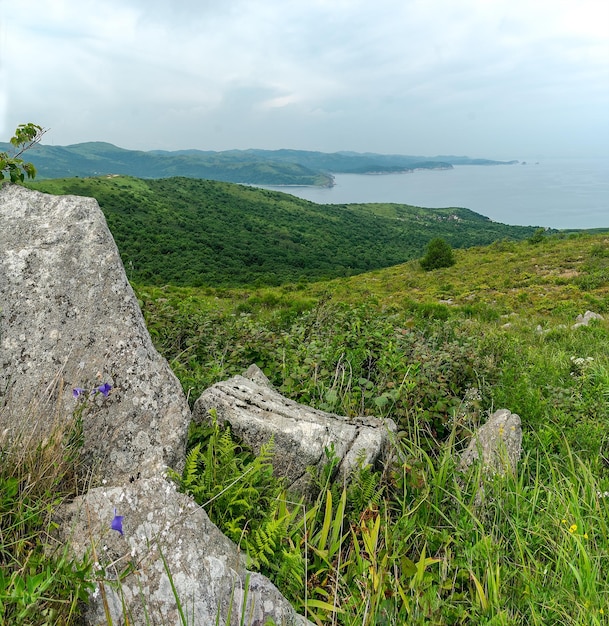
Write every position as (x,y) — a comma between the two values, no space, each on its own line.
(117,522)
(573,528)
(104,389)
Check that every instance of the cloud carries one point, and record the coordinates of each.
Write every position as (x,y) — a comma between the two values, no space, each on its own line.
(409,75)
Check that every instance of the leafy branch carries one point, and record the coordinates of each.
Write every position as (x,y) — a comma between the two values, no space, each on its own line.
(11,165)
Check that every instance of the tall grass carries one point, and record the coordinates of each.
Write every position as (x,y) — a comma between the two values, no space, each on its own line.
(40,583)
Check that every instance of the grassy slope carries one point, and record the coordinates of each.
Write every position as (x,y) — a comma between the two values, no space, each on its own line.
(524,285)
(411,544)
(194,232)
(412,346)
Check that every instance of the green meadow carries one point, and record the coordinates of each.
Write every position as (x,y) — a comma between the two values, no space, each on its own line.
(437,352)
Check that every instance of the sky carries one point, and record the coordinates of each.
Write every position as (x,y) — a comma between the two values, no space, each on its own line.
(504,79)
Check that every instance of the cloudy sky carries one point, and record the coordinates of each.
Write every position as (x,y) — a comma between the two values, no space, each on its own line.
(490,78)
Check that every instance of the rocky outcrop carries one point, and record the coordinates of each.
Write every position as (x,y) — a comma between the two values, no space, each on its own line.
(70,321)
(166,540)
(256,412)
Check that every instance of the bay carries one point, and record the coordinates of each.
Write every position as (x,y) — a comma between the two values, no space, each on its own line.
(557,193)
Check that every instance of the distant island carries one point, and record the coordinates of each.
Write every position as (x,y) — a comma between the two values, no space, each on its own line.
(254,167)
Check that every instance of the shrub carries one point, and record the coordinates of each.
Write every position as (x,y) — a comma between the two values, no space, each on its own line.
(439,254)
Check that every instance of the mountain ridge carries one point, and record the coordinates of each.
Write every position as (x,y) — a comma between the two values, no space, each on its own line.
(251,166)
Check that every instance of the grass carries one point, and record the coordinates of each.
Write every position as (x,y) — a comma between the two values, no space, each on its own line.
(40,583)
(408,542)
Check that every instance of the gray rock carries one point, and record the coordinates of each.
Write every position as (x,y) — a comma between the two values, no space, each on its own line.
(497,445)
(586,318)
(70,319)
(166,539)
(256,412)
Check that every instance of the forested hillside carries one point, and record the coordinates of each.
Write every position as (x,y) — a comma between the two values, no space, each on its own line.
(192,232)
(255,167)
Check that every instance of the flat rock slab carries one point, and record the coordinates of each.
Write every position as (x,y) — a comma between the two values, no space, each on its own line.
(256,412)
(167,539)
(69,318)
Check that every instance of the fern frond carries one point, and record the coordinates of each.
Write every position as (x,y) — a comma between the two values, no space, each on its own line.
(190,475)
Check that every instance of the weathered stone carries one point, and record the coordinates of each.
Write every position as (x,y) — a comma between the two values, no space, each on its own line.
(497,445)
(586,318)
(256,412)
(70,319)
(167,539)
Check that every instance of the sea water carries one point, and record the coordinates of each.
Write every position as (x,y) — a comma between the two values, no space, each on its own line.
(557,193)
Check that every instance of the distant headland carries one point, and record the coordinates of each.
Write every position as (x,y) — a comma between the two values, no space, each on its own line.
(255,167)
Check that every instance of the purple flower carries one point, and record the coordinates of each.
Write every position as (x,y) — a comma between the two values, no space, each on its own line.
(104,389)
(117,522)
(77,392)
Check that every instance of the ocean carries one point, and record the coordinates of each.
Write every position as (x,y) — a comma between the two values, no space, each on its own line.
(557,193)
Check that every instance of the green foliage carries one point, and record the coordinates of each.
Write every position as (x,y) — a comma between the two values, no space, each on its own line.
(206,233)
(408,544)
(39,582)
(26,136)
(237,489)
(537,237)
(439,254)
(346,359)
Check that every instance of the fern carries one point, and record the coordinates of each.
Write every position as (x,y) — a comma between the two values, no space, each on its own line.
(365,490)
(247,502)
(191,474)
(267,537)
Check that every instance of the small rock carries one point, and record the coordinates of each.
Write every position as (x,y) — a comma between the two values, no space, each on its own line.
(586,318)
(497,444)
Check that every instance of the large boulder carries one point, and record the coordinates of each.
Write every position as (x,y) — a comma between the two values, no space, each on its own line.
(256,412)
(69,320)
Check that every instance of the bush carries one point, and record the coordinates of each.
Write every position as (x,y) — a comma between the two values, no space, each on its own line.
(439,254)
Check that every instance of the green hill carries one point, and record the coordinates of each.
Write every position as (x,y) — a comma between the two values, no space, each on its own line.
(416,540)
(99,158)
(256,167)
(185,231)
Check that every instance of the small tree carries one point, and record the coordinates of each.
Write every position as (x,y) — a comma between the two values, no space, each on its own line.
(537,237)
(11,165)
(439,254)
